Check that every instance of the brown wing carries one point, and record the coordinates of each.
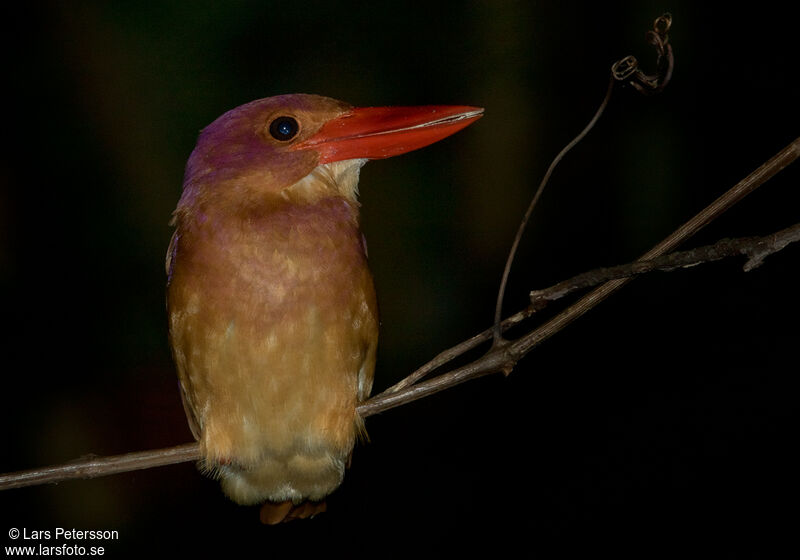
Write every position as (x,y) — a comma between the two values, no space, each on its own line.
(168,264)
(190,418)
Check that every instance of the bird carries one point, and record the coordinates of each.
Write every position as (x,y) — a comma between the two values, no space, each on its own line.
(272,311)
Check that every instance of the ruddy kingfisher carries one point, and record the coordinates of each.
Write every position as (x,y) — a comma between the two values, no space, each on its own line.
(273,318)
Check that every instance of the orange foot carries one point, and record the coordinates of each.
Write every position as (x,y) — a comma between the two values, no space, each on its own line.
(273,513)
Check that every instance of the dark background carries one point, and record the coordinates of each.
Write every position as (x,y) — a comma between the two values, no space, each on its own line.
(664,415)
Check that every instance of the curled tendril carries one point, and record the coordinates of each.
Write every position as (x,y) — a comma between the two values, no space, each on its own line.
(627,69)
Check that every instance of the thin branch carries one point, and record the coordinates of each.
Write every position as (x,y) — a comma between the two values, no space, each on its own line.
(756,248)
(92,466)
(499,358)
(444,357)
(769,245)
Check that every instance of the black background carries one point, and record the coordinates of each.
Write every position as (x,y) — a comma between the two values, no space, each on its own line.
(658,424)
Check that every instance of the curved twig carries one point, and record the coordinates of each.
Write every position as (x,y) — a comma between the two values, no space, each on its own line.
(624,70)
(497,333)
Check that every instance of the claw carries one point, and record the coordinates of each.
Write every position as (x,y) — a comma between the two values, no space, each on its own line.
(281,512)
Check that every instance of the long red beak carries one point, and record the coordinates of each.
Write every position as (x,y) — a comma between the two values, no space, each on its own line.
(382,132)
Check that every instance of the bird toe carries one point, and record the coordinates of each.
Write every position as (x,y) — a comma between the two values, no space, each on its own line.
(273,513)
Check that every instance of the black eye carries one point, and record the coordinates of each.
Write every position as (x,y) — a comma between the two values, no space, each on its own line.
(284,128)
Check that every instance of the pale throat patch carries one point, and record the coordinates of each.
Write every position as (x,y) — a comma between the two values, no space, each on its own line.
(334,178)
